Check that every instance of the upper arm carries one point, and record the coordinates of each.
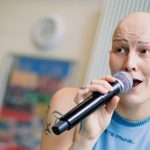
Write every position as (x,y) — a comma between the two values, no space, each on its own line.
(61,102)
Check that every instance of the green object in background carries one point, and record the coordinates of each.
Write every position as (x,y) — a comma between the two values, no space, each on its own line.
(35,97)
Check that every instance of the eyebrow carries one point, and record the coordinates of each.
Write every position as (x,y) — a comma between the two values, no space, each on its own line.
(120,40)
(124,40)
(144,42)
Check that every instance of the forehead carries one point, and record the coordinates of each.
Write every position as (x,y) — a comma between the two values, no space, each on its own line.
(134,28)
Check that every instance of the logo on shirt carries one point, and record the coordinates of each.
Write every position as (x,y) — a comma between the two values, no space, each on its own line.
(119,137)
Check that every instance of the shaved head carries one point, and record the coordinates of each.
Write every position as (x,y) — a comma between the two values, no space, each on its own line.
(135,24)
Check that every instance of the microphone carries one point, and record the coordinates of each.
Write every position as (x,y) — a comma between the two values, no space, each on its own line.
(122,84)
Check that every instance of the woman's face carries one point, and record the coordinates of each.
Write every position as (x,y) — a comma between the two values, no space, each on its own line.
(131,53)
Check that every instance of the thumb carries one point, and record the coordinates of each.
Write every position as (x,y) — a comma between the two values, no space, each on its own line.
(110,107)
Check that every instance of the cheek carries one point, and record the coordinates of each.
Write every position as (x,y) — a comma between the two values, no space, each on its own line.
(144,67)
(115,64)
(146,72)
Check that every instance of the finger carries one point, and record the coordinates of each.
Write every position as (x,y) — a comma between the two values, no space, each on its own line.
(110,107)
(102,83)
(109,78)
(98,88)
(80,95)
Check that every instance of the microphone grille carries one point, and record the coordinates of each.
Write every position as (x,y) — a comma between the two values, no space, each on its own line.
(125,79)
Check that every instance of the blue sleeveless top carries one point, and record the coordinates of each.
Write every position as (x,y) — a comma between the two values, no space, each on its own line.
(123,134)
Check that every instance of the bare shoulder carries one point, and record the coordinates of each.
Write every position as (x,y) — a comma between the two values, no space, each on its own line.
(61,102)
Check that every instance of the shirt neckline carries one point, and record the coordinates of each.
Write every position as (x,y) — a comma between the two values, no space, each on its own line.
(116,117)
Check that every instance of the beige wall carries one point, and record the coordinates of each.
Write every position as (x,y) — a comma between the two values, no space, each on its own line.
(80,18)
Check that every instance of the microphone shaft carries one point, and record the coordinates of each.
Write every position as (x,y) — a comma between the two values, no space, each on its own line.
(89,105)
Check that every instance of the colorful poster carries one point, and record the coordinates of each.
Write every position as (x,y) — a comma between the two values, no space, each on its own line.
(31,83)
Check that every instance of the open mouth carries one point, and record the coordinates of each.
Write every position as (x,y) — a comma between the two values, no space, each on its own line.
(136,82)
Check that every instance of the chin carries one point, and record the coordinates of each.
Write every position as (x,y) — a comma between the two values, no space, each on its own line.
(130,100)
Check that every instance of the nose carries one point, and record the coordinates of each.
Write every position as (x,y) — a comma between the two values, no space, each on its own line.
(131,63)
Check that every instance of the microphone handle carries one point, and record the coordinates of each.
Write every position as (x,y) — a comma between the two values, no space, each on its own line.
(85,108)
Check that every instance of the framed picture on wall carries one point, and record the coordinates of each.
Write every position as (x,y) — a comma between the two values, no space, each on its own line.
(29,83)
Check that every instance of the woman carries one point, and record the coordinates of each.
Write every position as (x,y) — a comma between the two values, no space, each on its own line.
(124,122)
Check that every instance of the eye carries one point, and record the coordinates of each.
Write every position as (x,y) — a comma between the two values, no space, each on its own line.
(121,50)
(145,51)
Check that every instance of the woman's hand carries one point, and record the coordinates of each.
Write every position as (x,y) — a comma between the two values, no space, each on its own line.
(98,121)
